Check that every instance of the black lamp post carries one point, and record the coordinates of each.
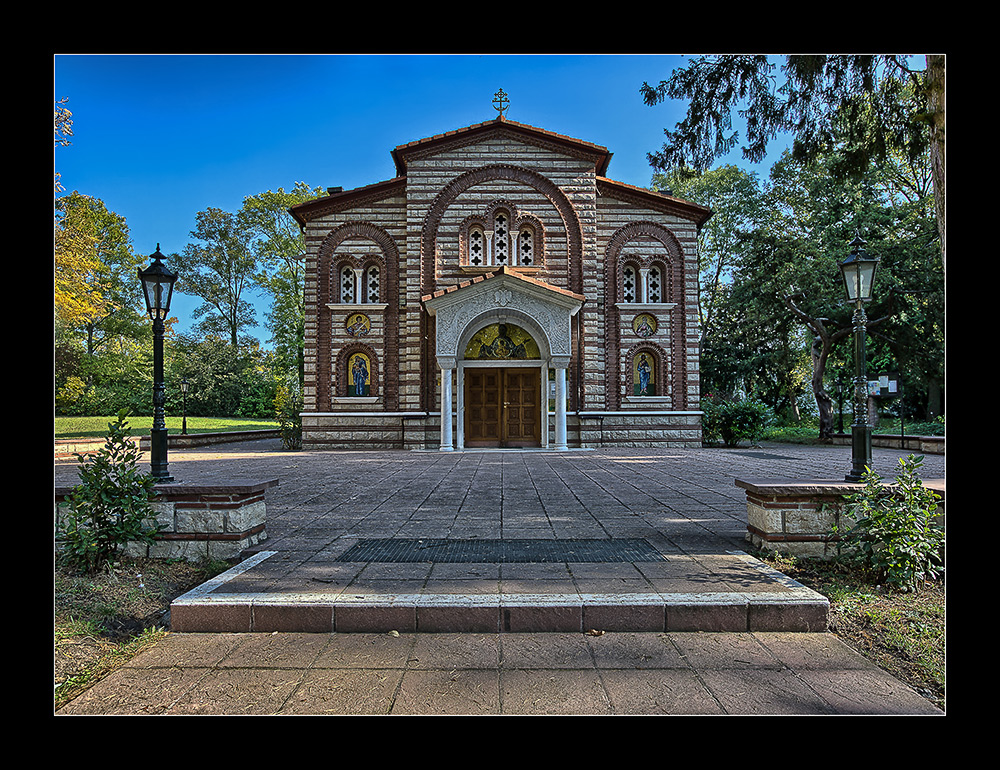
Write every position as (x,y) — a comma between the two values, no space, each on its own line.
(858,271)
(157,288)
(184,405)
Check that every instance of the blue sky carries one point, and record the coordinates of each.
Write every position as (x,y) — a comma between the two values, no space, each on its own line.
(159,138)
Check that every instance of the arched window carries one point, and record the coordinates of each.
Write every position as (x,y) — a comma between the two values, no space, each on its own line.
(501,236)
(654,285)
(526,247)
(372,278)
(643,284)
(347,285)
(477,246)
(504,237)
(629,284)
(360,285)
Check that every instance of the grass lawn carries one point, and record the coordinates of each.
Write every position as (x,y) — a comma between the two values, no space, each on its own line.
(97,427)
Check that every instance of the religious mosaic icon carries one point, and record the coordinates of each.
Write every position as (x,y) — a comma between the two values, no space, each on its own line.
(644,325)
(502,342)
(358,325)
(359,375)
(644,375)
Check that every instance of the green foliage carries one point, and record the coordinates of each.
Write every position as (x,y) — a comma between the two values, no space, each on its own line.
(222,379)
(288,409)
(110,507)
(895,537)
(874,104)
(219,270)
(731,421)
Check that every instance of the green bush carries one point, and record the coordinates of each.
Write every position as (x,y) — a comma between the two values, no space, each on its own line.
(731,421)
(110,507)
(895,538)
(288,410)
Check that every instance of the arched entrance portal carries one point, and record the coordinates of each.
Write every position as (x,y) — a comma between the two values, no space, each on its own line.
(502,403)
(497,339)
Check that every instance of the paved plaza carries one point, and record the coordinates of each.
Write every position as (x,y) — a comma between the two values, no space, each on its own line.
(471,572)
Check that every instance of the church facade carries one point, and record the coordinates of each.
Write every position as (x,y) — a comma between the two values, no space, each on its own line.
(500,291)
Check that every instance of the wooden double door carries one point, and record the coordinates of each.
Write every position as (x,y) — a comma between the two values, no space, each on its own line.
(503,407)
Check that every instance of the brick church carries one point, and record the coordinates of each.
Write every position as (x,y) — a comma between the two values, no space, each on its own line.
(500,291)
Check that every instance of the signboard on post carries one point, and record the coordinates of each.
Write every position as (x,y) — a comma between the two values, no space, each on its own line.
(888,385)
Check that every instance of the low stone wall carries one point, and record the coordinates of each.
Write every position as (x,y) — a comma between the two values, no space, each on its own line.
(216,521)
(928,445)
(67,447)
(797,517)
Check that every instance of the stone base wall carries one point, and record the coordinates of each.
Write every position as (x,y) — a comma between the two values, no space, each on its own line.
(797,517)
(370,430)
(199,522)
(632,429)
(586,430)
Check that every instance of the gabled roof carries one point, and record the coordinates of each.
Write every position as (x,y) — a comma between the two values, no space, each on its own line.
(601,155)
(660,201)
(340,199)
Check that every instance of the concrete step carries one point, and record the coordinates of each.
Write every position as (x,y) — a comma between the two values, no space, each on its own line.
(728,591)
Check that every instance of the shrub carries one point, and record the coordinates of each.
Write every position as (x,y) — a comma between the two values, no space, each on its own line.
(895,537)
(288,408)
(110,507)
(731,422)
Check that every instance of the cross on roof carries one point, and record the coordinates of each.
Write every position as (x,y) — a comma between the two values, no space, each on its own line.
(500,102)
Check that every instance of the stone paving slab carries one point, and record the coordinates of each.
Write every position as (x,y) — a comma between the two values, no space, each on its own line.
(648,673)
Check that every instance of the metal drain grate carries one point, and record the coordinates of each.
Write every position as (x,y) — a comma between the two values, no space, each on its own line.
(445,551)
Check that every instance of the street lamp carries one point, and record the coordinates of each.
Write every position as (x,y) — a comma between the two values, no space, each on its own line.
(184,404)
(157,289)
(858,271)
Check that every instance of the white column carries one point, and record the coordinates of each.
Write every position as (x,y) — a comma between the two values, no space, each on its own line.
(359,284)
(644,284)
(561,407)
(446,442)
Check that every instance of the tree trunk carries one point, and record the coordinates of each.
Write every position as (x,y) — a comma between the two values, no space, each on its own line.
(820,351)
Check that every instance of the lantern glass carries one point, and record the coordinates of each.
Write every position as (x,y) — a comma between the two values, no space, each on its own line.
(157,287)
(859,276)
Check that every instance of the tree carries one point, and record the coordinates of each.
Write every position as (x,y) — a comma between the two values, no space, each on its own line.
(86,226)
(867,105)
(77,271)
(219,271)
(63,129)
(738,206)
(819,215)
(224,381)
(279,247)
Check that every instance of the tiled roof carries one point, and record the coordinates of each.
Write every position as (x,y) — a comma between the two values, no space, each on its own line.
(603,156)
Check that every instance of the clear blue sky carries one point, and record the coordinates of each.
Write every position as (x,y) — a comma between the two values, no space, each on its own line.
(159,138)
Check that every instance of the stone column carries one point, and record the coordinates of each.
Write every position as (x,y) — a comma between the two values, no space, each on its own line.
(560,365)
(447,366)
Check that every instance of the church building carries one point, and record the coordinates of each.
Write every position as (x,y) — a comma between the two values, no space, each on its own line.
(500,291)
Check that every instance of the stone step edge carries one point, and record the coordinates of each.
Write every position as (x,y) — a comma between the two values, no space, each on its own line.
(796,609)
